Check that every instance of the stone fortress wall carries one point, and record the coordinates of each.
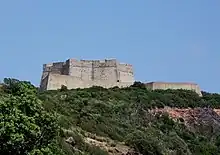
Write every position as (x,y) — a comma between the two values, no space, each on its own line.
(174,85)
(105,73)
(86,73)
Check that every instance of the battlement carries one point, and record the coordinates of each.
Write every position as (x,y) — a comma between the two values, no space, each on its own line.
(125,68)
(59,66)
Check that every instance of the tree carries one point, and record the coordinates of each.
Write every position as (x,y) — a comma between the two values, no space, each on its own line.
(16,87)
(25,127)
(138,84)
(63,88)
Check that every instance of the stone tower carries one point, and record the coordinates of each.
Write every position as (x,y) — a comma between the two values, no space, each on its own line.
(86,73)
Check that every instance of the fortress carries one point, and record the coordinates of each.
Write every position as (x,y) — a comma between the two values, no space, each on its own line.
(105,73)
(86,73)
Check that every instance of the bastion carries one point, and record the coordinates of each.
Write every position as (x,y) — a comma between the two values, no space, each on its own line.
(86,73)
(174,85)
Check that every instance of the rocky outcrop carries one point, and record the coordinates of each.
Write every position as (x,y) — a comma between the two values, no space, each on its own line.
(217,111)
(203,120)
(104,143)
(112,147)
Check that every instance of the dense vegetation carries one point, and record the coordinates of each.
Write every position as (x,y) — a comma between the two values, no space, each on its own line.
(120,114)
(25,127)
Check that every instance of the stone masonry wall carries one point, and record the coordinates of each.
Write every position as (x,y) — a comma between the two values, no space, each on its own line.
(105,70)
(75,68)
(44,82)
(88,72)
(56,81)
(167,85)
(125,72)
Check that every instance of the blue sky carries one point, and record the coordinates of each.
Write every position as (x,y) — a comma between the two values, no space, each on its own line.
(164,40)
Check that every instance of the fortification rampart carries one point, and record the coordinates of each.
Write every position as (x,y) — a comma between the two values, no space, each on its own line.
(85,73)
(56,81)
(174,85)
(75,73)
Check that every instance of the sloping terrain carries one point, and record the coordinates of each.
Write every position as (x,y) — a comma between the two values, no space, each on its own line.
(203,120)
(108,145)
(98,121)
(137,118)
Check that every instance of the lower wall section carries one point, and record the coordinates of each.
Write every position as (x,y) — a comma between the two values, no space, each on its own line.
(55,81)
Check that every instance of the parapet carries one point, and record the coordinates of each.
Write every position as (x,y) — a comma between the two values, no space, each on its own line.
(55,67)
(92,63)
(105,63)
(172,83)
(125,68)
(74,63)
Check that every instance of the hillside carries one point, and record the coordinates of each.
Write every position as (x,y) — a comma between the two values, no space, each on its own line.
(131,120)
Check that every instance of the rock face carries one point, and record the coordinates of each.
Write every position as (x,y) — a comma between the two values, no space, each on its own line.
(112,147)
(202,120)
(217,111)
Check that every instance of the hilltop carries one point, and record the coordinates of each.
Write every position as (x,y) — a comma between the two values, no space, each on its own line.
(132,120)
(106,73)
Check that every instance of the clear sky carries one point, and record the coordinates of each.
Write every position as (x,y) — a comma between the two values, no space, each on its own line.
(165,40)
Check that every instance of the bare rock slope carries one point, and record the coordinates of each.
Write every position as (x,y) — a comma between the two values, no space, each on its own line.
(202,120)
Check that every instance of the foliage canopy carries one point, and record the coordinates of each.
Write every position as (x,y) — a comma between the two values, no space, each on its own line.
(25,127)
